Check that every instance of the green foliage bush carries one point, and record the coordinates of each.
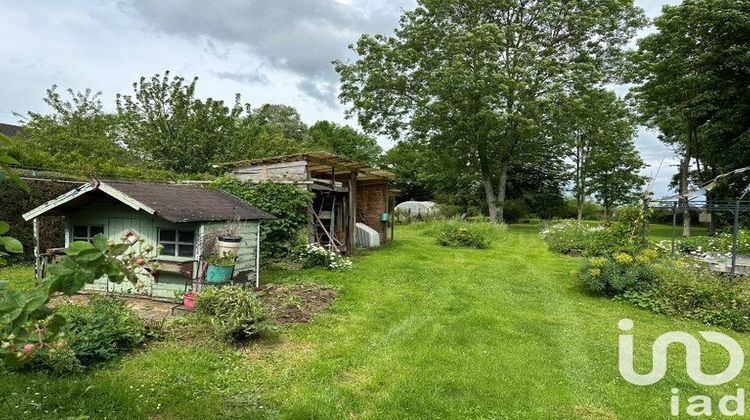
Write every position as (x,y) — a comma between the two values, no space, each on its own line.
(288,203)
(29,327)
(614,275)
(672,286)
(688,289)
(571,237)
(16,200)
(460,233)
(720,243)
(102,330)
(235,311)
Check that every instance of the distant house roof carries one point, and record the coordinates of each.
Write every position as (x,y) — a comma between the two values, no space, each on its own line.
(319,162)
(10,130)
(176,203)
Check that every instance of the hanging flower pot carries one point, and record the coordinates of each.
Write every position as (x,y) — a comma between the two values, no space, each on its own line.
(228,244)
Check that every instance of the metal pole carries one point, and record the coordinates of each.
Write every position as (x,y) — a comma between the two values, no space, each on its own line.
(645,221)
(674,224)
(735,234)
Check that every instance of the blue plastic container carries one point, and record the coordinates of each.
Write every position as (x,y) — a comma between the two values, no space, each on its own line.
(219,273)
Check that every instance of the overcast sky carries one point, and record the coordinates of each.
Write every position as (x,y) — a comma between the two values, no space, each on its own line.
(277,51)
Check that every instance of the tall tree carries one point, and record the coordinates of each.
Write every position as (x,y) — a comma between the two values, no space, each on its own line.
(477,77)
(76,130)
(345,141)
(284,118)
(616,181)
(169,126)
(691,76)
(599,131)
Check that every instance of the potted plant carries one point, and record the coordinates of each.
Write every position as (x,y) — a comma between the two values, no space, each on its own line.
(229,240)
(220,267)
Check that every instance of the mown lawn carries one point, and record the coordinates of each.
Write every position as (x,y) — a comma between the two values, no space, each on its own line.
(418,331)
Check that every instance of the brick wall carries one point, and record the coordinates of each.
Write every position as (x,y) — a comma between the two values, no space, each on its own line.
(372,200)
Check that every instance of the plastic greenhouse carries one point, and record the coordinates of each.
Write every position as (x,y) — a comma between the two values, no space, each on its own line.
(417,208)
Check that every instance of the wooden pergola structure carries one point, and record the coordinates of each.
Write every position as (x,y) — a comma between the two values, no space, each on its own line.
(346,192)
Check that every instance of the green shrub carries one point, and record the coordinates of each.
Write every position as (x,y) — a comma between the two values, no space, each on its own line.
(590,240)
(235,311)
(571,237)
(686,288)
(17,200)
(615,275)
(459,233)
(60,360)
(102,330)
(721,243)
(288,203)
(671,286)
(318,256)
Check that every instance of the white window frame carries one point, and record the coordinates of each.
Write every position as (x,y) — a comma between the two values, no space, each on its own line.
(177,243)
(88,237)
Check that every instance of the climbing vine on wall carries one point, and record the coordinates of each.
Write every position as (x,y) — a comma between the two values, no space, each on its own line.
(287,203)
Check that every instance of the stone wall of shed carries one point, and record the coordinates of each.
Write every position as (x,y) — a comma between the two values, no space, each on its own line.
(372,200)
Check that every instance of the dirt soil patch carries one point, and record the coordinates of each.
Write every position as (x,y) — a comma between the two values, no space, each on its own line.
(291,303)
(296,303)
(146,309)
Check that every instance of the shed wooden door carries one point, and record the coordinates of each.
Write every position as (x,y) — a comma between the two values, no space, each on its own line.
(118,227)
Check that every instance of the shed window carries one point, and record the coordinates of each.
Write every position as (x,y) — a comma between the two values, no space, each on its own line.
(177,243)
(85,233)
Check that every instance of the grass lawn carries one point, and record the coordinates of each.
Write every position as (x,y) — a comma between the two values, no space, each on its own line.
(418,331)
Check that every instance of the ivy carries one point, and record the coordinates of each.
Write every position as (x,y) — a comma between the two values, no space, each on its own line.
(287,203)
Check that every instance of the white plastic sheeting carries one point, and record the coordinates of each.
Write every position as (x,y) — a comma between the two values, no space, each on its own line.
(366,237)
(415,208)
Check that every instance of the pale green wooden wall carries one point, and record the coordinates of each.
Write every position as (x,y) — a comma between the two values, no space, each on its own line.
(248,250)
(118,219)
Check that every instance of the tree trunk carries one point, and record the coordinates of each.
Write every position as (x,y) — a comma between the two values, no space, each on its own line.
(684,173)
(580,210)
(501,192)
(579,187)
(710,198)
(490,196)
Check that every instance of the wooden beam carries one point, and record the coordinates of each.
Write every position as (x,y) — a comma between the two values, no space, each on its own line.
(352,211)
(37,259)
(68,196)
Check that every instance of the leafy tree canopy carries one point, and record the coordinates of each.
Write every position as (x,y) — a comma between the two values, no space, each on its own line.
(478,78)
(345,141)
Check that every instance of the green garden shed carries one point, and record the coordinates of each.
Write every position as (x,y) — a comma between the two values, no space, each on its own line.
(184,219)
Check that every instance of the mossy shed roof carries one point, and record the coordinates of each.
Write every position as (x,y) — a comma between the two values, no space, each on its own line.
(176,203)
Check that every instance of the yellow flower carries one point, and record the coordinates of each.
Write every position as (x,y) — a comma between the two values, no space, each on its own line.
(599,262)
(595,272)
(575,273)
(647,256)
(623,259)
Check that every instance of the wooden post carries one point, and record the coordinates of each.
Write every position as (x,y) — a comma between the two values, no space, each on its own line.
(311,235)
(37,252)
(352,211)
(257,255)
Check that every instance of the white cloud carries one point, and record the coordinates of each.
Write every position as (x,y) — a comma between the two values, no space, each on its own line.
(269,51)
